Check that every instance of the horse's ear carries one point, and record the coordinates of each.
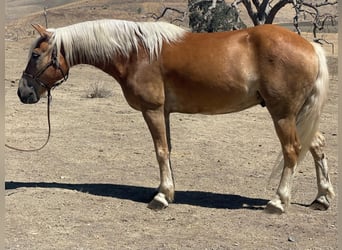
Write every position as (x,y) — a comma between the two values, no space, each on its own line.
(41,30)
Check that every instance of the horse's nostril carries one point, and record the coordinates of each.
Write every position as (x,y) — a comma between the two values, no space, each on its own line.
(31,98)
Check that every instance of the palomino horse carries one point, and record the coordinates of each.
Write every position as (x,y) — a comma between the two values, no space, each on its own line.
(162,68)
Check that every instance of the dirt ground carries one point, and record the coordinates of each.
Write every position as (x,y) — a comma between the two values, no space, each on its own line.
(89,188)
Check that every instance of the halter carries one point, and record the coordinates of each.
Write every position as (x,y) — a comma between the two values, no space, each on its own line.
(54,63)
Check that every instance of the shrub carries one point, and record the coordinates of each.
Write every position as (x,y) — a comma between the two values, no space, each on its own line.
(98,90)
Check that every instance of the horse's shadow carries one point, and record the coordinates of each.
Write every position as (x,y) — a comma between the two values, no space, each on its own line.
(144,194)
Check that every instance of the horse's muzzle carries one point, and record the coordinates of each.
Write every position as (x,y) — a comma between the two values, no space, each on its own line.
(26,92)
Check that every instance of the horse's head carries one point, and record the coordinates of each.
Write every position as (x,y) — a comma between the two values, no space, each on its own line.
(45,69)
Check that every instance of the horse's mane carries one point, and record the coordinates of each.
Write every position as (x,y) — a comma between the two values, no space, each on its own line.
(99,40)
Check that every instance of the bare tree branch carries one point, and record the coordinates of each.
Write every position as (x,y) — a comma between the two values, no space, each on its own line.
(321,40)
(326,2)
(275,9)
(168,9)
(319,20)
(264,13)
(251,13)
(45,16)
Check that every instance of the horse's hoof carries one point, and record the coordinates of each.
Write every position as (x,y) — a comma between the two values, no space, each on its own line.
(274,207)
(159,202)
(320,204)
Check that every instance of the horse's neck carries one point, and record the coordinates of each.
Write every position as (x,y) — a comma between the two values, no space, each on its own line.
(116,66)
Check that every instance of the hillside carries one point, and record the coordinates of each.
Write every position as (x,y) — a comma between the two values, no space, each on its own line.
(69,11)
(16,8)
(21,13)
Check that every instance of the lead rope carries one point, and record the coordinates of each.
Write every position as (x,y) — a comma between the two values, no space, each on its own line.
(49,125)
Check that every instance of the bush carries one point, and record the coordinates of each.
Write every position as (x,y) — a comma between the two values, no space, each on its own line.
(97,90)
(223,17)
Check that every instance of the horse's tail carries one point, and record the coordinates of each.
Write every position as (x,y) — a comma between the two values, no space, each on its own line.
(308,118)
(309,115)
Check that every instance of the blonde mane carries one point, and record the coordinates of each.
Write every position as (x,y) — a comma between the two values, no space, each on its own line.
(96,41)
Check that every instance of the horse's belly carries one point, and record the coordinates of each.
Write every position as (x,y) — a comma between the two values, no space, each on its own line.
(210,102)
(211,90)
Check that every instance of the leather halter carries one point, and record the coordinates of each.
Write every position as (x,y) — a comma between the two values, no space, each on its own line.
(54,63)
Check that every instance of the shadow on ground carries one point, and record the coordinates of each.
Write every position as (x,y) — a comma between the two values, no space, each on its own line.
(145,194)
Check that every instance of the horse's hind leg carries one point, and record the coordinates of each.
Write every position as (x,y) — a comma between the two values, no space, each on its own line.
(157,124)
(286,130)
(325,189)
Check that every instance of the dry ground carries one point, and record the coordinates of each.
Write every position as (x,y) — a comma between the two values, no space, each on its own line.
(88,189)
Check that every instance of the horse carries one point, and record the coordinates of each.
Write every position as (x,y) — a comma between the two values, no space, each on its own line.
(163,68)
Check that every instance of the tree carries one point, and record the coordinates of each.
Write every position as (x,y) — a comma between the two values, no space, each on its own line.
(217,15)
(204,16)
(264,12)
(213,16)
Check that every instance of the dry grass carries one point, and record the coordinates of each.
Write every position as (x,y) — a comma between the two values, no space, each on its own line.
(98,90)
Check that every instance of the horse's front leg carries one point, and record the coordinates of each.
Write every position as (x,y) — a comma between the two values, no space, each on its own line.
(155,120)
